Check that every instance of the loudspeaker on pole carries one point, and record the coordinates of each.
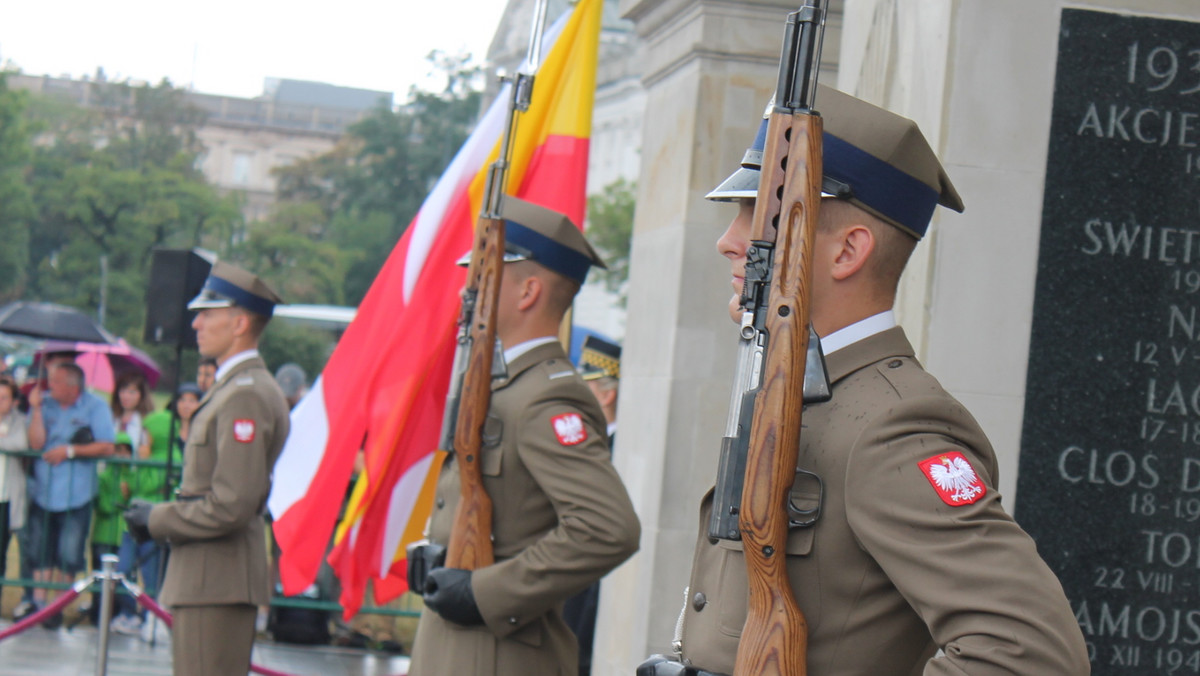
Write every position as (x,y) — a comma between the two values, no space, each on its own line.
(176,276)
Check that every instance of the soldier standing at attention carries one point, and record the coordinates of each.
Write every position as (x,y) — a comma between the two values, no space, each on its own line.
(217,574)
(561,516)
(912,551)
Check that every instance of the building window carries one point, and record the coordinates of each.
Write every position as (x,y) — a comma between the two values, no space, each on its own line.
(241,168)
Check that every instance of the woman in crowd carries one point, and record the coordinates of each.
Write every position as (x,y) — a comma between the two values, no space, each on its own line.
(131,404)
(12,473)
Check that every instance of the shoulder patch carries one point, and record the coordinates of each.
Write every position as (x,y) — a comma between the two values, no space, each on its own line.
(569,429)
(243,430)
(244,381)
(953,478)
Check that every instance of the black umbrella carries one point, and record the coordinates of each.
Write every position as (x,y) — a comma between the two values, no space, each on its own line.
(53,322)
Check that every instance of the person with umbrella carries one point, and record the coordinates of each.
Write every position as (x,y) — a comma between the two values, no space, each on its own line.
(75,428)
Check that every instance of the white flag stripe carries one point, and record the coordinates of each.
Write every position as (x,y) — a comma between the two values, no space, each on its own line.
(298,464)
(454,181)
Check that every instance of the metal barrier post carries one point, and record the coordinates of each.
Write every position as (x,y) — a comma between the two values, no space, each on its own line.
(108,582)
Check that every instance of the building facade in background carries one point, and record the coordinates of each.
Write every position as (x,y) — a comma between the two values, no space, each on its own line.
(244,139)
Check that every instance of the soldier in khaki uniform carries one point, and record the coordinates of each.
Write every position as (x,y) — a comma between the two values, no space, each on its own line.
(217,575)
(912,551)
(561,516)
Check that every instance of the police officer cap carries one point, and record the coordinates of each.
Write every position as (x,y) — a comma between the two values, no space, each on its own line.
(599,359)
(535,233)
(873,158)
(228,285)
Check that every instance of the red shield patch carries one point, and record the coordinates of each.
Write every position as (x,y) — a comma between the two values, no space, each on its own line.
(953,478)
(569,429)
(243,430)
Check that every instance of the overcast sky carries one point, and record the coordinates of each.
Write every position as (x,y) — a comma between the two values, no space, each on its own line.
(228,47)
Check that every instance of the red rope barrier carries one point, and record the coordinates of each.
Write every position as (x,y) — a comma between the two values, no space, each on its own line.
(49,611)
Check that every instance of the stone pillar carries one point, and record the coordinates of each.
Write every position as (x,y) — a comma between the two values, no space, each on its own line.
(710,68)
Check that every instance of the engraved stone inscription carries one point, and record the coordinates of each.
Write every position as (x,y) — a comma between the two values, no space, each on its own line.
(1109,482)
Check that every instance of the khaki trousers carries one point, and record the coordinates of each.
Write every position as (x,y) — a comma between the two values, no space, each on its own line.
(212,640)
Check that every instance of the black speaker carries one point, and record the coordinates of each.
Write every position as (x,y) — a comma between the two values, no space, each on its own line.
(176,276)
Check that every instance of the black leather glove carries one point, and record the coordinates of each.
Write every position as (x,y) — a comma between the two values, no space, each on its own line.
(137,517)
(448,593)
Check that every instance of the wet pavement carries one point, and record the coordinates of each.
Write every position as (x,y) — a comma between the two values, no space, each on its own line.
(72,652)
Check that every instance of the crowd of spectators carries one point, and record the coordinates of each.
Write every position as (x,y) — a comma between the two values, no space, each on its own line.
(68,495)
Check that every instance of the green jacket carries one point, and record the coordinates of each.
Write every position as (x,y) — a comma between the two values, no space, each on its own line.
(147,482)
(107,523)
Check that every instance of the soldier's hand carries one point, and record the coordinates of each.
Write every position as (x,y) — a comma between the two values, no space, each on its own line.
(137,517)
(448,593)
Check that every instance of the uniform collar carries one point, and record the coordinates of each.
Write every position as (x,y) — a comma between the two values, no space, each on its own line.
(513,353)
(878,346)
(545,350)
(232,362)
(237,363)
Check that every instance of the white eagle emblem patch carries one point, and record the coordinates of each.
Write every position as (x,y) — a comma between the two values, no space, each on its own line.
(569,429)
(953,478)
(243,430)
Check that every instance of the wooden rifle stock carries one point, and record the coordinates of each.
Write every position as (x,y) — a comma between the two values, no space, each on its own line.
(470,545)
(783,231)
(775,636)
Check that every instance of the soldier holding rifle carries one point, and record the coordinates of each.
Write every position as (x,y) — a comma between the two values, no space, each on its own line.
(906,549)
(561,518)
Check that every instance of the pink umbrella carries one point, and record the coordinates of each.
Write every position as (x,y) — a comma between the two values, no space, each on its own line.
(102,363)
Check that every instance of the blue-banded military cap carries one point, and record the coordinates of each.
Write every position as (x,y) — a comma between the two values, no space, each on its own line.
(599,358)
(544,236)
(873,158)
(228,285)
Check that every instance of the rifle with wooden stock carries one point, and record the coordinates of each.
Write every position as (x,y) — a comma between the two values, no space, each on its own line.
(470,545)
(776,344)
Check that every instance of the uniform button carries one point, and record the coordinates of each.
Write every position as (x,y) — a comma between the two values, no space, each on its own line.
(441,502)
(895,364)
(512,620)
(699,601)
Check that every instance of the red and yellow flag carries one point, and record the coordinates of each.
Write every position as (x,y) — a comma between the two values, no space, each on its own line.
(384,387)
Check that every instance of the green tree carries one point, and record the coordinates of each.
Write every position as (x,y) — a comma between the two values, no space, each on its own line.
(17,209)
(371,185)
(610,229)
(110,182)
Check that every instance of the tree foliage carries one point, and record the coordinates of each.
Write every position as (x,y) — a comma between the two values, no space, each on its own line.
(610,229)
(15,198)
(370,187)
(95,188)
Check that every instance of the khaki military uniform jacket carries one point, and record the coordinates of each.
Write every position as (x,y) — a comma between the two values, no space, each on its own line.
(561,520)
(891,572)
(215,528)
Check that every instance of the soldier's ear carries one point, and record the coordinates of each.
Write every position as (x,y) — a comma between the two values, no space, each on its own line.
(532,288)
(853,248)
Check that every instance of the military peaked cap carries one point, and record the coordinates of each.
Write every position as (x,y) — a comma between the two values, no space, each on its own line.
(228,285)
(599,359)
(873,158)
(535,233)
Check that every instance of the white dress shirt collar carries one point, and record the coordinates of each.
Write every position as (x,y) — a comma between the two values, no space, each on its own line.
(858,331)
(511,354)
(233,361)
